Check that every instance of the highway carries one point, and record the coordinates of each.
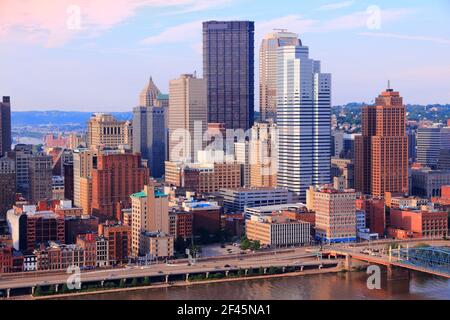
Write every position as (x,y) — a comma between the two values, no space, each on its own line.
(281,257)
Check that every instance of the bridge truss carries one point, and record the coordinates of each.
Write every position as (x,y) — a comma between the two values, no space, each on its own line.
(434,258)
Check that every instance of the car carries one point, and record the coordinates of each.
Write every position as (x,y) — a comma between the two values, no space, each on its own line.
(160,272)
(227,266)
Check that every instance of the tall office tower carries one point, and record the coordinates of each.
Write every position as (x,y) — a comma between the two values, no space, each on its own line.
(40,175)
(228,67)
(119,174)
(105,131)
(430,141)
(84,160)
(187,117)
(242,156)
(23,153)
(150,212)
(303,120)
(263,155)
(7,185)
(335,213)
(149,94)
(381,152)
(412,143)
(268,70)
(5,126)
(150,137)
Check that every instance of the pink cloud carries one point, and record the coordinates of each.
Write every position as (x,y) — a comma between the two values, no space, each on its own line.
(51,22)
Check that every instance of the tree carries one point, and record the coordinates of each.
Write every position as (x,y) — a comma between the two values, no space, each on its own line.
(256,245)
(134,283)
(146,281)
(245,244)
(122,283)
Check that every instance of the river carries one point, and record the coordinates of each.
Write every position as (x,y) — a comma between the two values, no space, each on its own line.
(321,286)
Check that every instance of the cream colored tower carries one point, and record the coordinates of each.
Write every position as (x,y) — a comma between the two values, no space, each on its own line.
(105,131)
(149,94)
(187,117)
(268,69)
(263,155)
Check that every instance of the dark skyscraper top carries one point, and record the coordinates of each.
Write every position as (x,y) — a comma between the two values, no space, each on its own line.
(5,126)
(228,67)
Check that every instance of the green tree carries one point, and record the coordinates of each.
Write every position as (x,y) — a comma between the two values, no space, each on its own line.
(146,281)
(134,283)
(122,283)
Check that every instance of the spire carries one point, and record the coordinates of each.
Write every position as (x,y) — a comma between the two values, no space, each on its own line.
(389,86)
(149,94)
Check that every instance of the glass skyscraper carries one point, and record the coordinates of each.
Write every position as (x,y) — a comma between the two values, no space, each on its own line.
(303,121)
(228,67)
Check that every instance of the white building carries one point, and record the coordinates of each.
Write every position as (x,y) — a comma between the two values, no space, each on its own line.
(303,120)
(236,200)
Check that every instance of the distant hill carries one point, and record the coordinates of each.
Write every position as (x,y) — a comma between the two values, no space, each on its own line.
(35,118)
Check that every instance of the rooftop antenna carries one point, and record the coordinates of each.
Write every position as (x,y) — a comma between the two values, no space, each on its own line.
(195,73)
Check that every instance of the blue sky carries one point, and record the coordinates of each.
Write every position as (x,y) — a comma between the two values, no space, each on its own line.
(50,59)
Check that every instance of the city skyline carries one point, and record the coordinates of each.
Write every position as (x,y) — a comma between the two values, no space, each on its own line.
(87,70)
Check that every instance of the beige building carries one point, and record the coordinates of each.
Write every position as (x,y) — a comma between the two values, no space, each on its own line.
(335,213)
(187,117)
(40,175)
(263,155)
(277,230)
(157,244)
(203,177)
(149,94)
(104,131)
(268,69)
(149,212)
(84,161)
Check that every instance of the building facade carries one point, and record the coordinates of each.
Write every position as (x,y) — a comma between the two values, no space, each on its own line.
(268,70)
(105,131)
(381,152)
(187,117)
(5,126)
(228,67)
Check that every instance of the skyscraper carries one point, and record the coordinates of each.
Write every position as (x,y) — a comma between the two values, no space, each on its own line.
(187,117)
(268,70)
(5,126)
(430,142)
(104,131)
(149,94)
(381,152)
(228,67)
(118,174)
(150,136)
(263,155)
(303,120)
(40,175)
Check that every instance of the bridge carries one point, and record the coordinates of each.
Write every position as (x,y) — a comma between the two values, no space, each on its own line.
(432,260)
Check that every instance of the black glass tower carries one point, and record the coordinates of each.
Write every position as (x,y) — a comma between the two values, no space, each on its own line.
(5,126)
(228,67)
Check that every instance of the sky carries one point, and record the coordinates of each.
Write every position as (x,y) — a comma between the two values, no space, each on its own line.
(97,55)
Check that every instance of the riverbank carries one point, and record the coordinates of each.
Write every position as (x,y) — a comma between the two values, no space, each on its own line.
(182,284)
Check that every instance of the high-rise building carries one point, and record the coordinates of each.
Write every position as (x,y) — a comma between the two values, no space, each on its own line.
(381,152)
(303,120)
(228,67)
(23,153)
(118,238)
(268,70)
(430,142)
(5,126)
(149,94)
(150,137)
(187,117)
(150,212)
(335,213)
(242,156)
(105,131)
(263,155)
(40,175)
(118,174)
(7,185)
(84,160)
